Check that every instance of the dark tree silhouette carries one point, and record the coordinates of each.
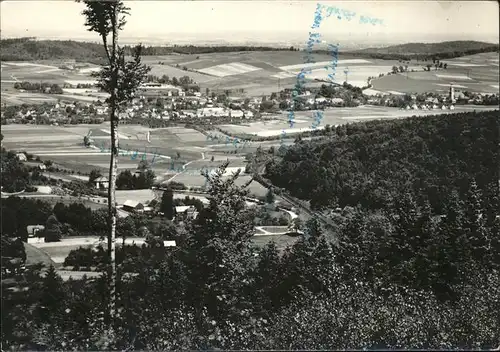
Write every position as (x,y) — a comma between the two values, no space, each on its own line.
(167,203)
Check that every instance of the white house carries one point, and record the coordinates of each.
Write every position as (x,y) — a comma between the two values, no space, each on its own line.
(101,183)
(169,244)
(236,113)
(33,229)
(208,112)
(337,101)
(102,110)
(186,212)
(248,114)
(21,157)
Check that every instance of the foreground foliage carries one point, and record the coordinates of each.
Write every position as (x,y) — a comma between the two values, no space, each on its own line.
(215,290)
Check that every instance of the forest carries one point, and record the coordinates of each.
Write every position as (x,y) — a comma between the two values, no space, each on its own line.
(417,264)
(372,163)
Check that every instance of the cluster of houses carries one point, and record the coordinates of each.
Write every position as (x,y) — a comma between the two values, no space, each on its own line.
(182,212)
(428,107)
(58,113)
(165,102)
(170,106)
(308,100)
(430,100)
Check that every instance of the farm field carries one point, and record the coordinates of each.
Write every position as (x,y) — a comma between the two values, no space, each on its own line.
(261,72)
(266,72)
(64,145)
(45,71)
(334,117)
(474,73)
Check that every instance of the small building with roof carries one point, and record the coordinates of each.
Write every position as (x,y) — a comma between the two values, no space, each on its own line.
(101,182)
(185,212)
(21,157)
(34,229)
(133,206)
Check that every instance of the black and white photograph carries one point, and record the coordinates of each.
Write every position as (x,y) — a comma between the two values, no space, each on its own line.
(250,175)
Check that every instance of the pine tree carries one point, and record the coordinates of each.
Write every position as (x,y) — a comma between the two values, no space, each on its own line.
(267,278)
(448,250)
(309,266)
(94,174)
(52,232)
(474,223)
(217,252)
(270,197)
(52,298)
(167,203)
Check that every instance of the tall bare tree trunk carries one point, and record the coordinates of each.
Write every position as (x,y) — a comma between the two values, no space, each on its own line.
(113,167)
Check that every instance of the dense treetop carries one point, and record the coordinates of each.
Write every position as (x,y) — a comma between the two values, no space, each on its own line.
(372,163)
(27,49)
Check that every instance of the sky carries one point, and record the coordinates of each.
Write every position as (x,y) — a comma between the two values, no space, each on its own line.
(236,21)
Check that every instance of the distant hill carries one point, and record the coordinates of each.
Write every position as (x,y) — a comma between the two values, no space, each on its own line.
(29,49)
(442,50)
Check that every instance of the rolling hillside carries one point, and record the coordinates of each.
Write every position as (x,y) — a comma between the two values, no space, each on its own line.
(28,49)
(442,50)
